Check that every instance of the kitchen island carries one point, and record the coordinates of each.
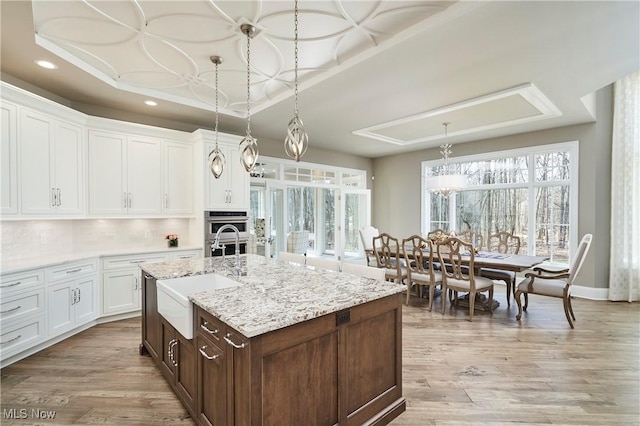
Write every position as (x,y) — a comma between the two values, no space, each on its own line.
(288,345)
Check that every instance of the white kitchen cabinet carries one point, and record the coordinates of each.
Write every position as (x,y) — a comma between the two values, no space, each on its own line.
(125,175)
(121,285)
(178,178)
(8,158)
(231,190)
(186,254)
(72,295)
(51,165)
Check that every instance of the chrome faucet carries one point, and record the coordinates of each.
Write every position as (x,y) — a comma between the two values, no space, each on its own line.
(216,245)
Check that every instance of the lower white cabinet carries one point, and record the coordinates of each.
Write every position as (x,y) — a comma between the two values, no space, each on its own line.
(72,303)
(72,296)
(121,291)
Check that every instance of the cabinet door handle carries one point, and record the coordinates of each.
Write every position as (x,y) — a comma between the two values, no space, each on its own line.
(207,356)
(148,276)
(207,329)
(11,340)
(129,200)
(11,310)
(124,197)
(135,285)
(232,343)
(172,358)
(166,201)
(59,197)
(73,296)
(11,285)
(79,296)
(54,202)
(73,271)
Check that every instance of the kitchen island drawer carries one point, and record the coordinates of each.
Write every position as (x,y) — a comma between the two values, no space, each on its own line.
(21,280)
(72,270)
(16,336)
(19,306)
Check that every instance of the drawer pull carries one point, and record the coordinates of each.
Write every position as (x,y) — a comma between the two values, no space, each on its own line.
(11,285)
(11,310)
(207,356)
(232,343)
(11,340)
(149,277)
(136,261)
(207,329)
(73,271)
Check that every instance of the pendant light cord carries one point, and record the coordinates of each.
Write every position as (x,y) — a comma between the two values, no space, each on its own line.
(216,128)
(295,44)
(248,83)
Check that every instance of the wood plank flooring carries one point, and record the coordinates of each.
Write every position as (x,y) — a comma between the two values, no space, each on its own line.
(493,370)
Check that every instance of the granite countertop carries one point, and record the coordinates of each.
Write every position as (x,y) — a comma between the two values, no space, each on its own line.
(18,265)
(273,294)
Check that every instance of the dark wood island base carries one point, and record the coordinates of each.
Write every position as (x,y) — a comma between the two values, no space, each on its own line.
(343,368)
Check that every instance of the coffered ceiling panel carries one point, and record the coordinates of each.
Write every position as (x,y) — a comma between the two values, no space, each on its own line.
(162,48)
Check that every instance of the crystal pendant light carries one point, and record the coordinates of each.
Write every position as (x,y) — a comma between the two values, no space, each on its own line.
(248,144)
(297,141)
(218,161)
(447,183)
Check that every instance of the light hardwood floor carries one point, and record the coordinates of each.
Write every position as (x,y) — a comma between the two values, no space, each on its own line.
(493,370)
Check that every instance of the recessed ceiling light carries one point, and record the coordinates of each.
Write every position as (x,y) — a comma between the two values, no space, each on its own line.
(151,103)
(46,64)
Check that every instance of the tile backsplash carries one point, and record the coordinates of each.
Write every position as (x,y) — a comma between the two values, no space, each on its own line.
(35,238)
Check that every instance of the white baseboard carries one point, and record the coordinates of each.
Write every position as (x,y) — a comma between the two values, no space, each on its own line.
(590,293)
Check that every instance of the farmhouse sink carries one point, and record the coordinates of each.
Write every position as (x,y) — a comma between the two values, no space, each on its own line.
(173,298)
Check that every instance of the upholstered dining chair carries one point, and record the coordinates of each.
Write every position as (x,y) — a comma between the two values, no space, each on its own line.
(387,252)
(363,271)
(506,243)
(450,253)
(418,255)
(366,236)
(553,283)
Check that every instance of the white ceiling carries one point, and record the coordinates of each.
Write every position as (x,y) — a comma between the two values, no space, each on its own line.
(377,77)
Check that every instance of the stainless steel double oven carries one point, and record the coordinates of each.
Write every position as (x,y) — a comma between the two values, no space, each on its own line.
(214,220)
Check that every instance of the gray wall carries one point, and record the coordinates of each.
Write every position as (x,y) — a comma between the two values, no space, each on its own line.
(396,188)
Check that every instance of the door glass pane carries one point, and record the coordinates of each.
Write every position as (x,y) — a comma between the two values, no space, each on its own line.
(327,226)
(301,211)
(256,210)
(355,212)
(276,222)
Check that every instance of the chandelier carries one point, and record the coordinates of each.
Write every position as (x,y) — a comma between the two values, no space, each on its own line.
(248,144)
(218,161)
(446,183)
(297,141)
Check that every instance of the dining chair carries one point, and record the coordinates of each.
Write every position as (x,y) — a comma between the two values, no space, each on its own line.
(363,271)
(298,242)
(506,243)
(320,262)
(418,255)
(472,237)
(553,283)
(450,253)
(285,256)
(366,236)
(387,252)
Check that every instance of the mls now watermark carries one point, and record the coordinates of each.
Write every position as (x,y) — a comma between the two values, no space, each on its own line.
(23,414)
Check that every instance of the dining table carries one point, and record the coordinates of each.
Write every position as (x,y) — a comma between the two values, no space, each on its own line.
(491,260)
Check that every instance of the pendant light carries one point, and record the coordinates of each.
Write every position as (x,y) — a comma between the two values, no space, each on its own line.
(218,161)
(297,141)
(447,183)
(248,144)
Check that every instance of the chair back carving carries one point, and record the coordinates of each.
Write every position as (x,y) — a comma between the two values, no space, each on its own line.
(504,242)
(578,259)
(387,252)
(436,234)
(418,255)
(450,253)
(471,237)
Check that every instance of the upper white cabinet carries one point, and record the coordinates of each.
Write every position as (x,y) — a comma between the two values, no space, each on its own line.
(8,158)
(178,178)
(231,190)
(51,165)
(125,174)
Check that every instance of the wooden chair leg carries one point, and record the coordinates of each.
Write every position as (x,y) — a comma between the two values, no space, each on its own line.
(444,298)
(508,292)
(571,308)
(517,296)
(472,302)
(567,303)
(491,299)
(431,295)
(526,301)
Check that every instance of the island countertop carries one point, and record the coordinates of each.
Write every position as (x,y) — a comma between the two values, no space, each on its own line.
(273,294)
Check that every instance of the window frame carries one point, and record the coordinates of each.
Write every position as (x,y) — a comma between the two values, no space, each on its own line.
(572,147)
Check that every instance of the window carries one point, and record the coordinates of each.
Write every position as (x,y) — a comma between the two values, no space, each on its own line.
(529,192)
